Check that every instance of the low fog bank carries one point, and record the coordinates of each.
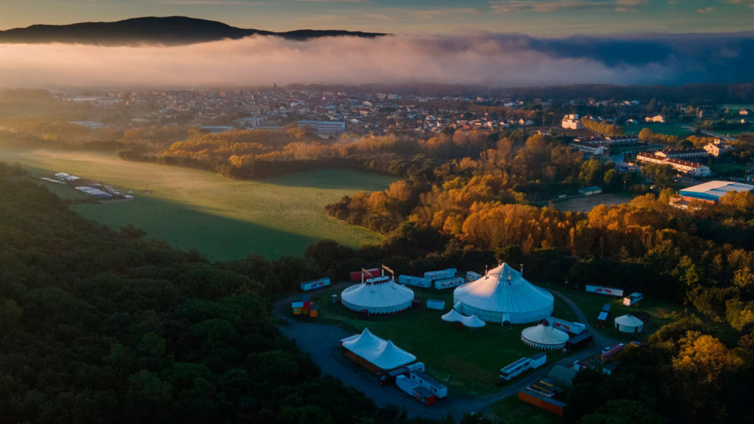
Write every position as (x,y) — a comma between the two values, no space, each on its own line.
(499,60)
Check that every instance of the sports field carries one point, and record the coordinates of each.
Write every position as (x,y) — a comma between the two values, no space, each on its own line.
(668,129)
(222,218)
(467,360)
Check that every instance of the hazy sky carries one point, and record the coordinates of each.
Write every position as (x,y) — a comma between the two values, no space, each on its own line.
(535,17)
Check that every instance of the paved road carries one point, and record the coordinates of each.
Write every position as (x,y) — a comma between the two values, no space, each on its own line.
(322,342)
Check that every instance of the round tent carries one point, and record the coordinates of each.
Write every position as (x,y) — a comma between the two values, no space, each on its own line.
(378,296)
(504,296)
(452,316)
(545,337)
(629,324)
(473,322)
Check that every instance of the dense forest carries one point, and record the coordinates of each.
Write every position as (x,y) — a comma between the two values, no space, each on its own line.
(102,326)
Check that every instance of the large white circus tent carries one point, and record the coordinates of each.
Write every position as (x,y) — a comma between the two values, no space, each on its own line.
(504,296)
(379,295)
(378,353)
(545,337)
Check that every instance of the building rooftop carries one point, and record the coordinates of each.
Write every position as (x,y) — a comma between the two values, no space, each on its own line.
(714,190)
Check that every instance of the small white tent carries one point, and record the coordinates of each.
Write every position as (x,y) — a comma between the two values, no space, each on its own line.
(545,337)
(504,295)
(473,322)
(452,316)
(378,296)
(629,324)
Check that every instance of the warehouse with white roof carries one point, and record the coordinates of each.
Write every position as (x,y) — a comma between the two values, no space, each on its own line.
(379,295)
(504,296)
(374,353)
(714,190)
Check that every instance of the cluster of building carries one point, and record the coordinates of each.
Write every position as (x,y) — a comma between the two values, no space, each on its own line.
(90,188)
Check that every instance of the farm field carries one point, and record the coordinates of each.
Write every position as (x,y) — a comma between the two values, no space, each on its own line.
(222,218)
(669,129)
(587,203)
(468,361)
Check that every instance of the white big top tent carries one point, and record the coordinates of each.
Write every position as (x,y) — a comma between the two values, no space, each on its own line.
(545,337)
(379,352)
(504,295)
(379,295)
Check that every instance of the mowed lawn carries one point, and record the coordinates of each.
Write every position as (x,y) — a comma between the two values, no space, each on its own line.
(668,129)
(223,219)
(467,360)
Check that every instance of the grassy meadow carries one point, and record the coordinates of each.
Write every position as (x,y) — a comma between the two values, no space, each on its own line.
(668,129)
(472,358)
(222,218)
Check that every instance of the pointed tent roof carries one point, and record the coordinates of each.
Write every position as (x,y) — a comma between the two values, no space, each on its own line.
(544,335)
(503,289)
(378,295)
(473,322)
(629,321)
(382,353)
(452,316)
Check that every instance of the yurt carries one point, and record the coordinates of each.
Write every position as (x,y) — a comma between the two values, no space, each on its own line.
(629,324)
(452,316)
(473,322)
(545,337)
(504,296)
(379,295)
(374,353)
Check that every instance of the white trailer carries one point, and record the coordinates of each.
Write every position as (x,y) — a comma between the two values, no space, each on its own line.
(609,291)
(440,275)
(437,305)
(449,283)
(538,360)
(515,369)
(472,276)
(415,281)
(632,299)
(315,284)
(435,387)
(568,326)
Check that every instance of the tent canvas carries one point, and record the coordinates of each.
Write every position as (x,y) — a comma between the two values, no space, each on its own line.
(503,292)
(378,296)
(544,336)
(473,322)
(384,354)
(452,316)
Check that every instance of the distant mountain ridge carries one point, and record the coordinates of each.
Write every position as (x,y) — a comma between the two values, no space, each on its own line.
(174,30)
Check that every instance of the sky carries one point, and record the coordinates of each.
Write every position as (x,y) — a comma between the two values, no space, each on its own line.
(533,17)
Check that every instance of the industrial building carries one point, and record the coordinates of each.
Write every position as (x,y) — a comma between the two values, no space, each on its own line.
(324,128)
(712,191)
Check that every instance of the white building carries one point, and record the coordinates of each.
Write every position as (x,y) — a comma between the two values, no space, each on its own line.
(504,296)
(657,119)
(592,149)
(685,167)
(717,148)
(629,324)
(324,128)
(571,122)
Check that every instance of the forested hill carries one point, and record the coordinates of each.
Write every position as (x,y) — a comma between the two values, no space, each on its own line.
(99,326)
(174,30)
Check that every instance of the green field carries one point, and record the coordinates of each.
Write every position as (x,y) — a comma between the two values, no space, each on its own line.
(668,129)
(591,305)
(514,411)
(222,218)
(472,358)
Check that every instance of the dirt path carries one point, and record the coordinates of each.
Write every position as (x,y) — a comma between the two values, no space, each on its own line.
(322,342)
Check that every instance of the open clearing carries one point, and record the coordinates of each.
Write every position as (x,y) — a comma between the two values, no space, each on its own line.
(467,360)
(668,129)
(222,218)
(587,203)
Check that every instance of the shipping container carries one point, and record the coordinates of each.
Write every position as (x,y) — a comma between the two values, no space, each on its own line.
(297,311)
(441,275)
(313,313)
(609,291)
(373,272)
(437,305)
(449,283)
(602,319)
(472,276)
(568,326)
(315,284)
(299,305)
(415,281)
(542,402)
(580,341)
(537,360)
